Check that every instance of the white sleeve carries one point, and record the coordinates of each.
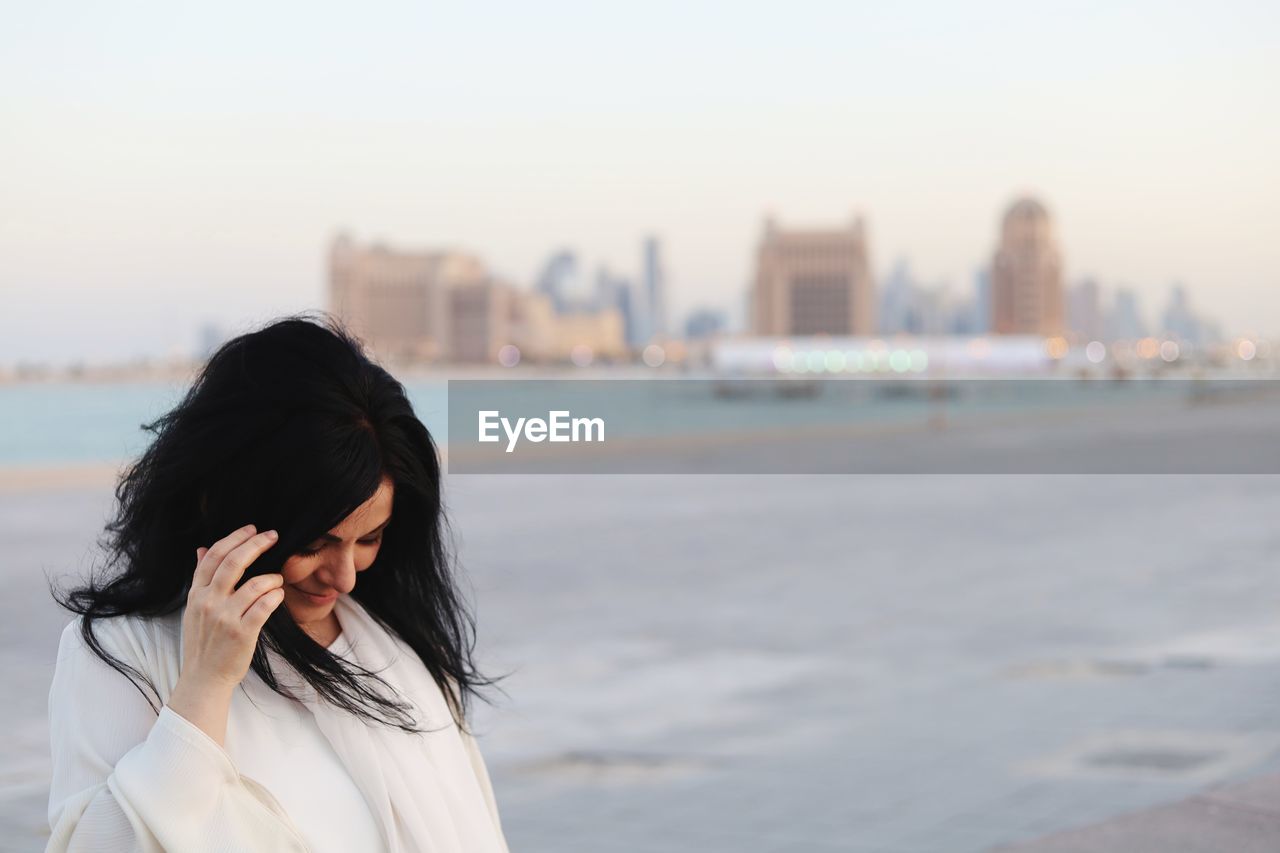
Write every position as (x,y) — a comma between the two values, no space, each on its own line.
(127,780)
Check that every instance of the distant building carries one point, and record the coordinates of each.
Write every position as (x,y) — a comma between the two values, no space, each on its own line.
(556,280)
(1026,274)
(598,332)
(966,319)
(211,337)
(481,319)
(1124,321)
(813,282)
(1084,311)
(897,301)
(1181,322)
(616,293)
(704,323)
(911,308)
(446,306)
(641,306)
(654,320)
(397,301)
(981,317)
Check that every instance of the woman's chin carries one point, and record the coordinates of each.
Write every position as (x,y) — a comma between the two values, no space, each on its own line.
(308,608)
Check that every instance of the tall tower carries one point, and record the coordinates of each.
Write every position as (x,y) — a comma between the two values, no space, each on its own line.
(1084,310)
(1026,274)
(813,282)
(555,279)
(654,287)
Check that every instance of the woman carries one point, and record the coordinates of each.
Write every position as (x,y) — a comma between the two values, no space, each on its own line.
(190,711)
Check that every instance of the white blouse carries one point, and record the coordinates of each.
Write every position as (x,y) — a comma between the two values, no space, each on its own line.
(293,776)
(315,788)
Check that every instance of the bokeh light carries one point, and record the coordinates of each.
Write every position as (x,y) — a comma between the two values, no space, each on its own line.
(509,355)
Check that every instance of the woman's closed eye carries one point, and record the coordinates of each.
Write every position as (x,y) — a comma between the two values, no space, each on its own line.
(311,552)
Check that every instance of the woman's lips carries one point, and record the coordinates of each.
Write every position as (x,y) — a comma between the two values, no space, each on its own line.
(318,599)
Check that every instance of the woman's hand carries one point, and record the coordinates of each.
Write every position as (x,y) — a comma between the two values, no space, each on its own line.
(220,627)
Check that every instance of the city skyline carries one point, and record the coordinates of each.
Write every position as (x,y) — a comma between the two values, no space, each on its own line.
(443,306)
(1137,317)
(153,186)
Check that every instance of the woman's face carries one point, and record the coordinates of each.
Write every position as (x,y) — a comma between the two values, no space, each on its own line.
(313,581)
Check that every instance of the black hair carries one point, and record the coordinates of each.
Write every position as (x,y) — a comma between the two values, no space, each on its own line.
(292,427)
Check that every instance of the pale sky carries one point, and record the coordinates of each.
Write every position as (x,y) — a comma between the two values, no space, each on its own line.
(164,165)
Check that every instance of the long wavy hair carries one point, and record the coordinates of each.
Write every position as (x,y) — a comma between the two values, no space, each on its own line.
(291,427)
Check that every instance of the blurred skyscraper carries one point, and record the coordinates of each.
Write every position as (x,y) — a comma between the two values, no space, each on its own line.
(447,306)
(981,301)
(1124,321)
(704,323)
(1182,322)
(655,297)
(1084,311)
(398,301)
(897,299)
(909,307)
(616,292)
(555,281)
(211,337)
(1026,274)
(813,282)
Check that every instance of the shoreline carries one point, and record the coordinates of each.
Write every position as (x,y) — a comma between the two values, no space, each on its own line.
(26,478)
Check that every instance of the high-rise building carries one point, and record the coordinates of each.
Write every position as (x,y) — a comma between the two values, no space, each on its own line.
(446,306)
(1125,322)
(704,323)
(1026,274)
(1084,311)
(615,292)
(556,279)
(909,307)
(897,297)
(211,337)
(482,315)
(981,317)
(655,286)
(813,282)
(397,301)
(1181,322)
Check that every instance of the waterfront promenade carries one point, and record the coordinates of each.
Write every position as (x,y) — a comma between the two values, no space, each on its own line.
(810,663)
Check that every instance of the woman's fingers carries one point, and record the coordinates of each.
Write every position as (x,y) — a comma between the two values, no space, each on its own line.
(257,614)
(244,597)
(221,624)
(232,567)
(212,558)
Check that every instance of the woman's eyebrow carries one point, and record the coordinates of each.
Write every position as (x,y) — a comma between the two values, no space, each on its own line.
(329,537)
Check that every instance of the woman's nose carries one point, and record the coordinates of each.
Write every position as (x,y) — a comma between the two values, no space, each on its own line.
(340,573)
